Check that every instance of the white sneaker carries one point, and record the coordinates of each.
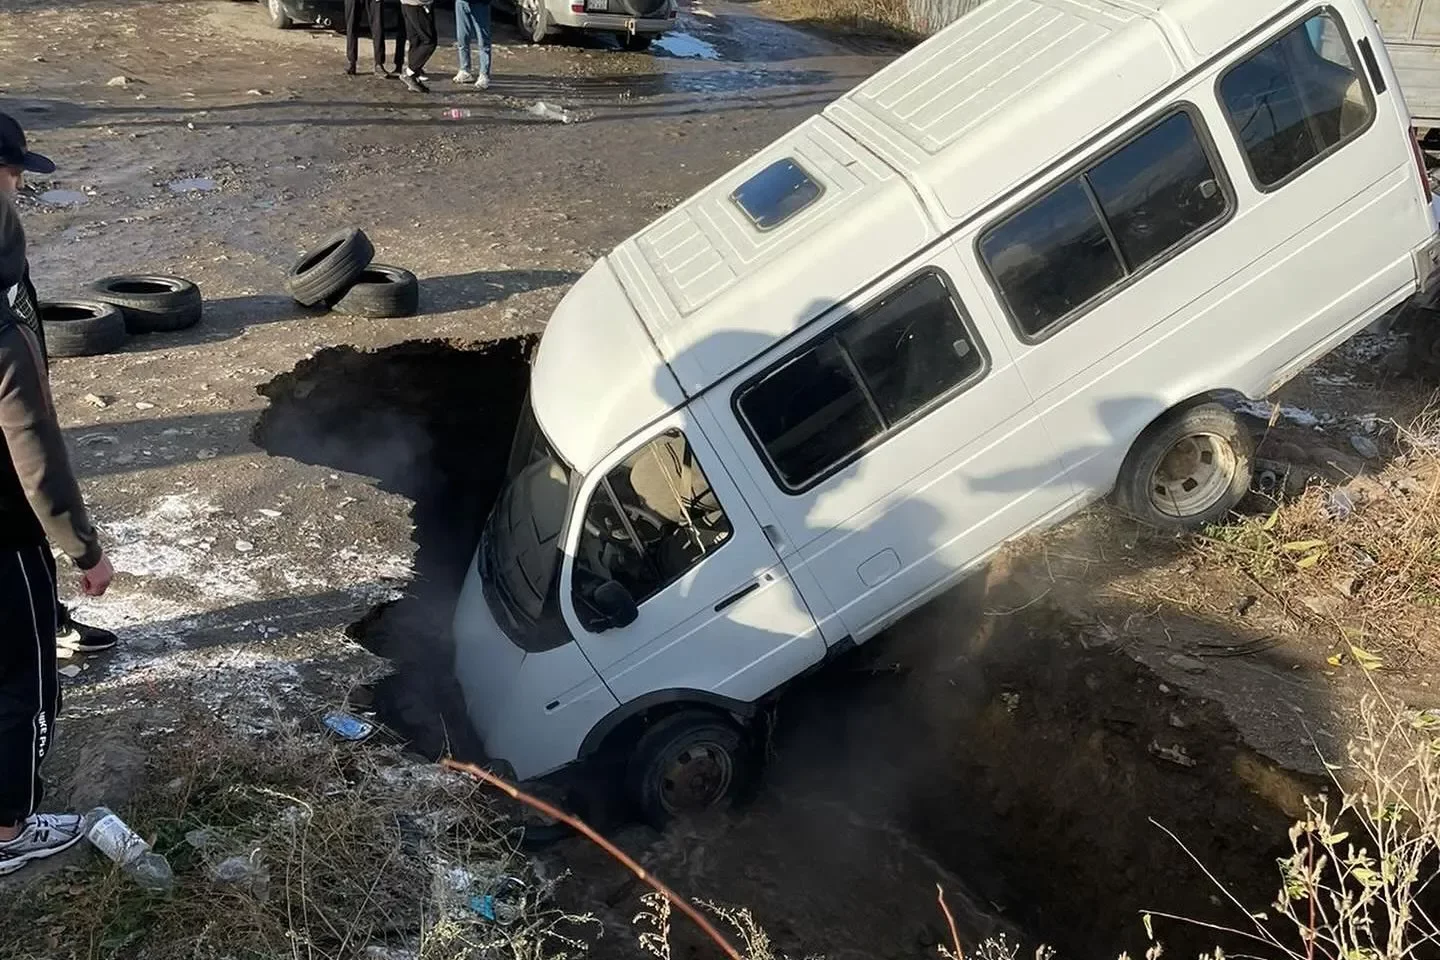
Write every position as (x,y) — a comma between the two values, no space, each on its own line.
(45,835)
(482,83)
(464,76)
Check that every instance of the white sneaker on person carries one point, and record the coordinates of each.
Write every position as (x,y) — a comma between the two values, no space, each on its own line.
(482,83)
(464,76)
(44,835)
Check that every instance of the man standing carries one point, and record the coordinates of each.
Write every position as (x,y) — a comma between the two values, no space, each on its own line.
(420,31)
(472,23)
(357,12)
(39,499)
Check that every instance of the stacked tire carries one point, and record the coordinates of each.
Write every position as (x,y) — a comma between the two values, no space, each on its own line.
(340,274)
(116,308)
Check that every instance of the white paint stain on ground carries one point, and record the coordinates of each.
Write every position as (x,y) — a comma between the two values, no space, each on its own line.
(686,46)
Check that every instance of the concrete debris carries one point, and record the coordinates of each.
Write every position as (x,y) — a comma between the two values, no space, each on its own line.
(1366,447)
(120,81)
(96,400)
(69,672)
(1189,664)
(1174,754)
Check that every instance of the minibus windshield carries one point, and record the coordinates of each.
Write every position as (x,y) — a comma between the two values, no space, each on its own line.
(523,534)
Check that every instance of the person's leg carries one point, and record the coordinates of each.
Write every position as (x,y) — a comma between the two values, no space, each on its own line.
(29,686)
(415,34)
(465,34)
(428,38)
(354,10)
(29,704)
(482,23)
(375,11)
(400,37)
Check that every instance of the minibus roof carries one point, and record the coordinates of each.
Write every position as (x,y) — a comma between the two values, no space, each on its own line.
(960,122)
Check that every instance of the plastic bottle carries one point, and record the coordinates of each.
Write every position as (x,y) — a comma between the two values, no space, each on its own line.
(456,113)
(112,837)
(548,111)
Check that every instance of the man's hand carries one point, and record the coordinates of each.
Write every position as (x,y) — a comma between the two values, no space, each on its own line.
(97,579)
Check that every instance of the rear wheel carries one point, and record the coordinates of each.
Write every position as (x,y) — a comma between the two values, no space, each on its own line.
(686,764)
(1188,470)
(636,42)
(279,17)
(533,19)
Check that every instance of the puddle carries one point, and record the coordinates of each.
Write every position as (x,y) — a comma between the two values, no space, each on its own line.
(687,47)
(63,198)
(193,185)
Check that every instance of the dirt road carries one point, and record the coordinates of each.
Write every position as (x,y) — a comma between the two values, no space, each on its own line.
(274,476)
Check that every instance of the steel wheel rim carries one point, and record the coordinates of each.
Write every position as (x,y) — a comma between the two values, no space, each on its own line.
(276,9)
(530,14)
(697,778)
(1193,475)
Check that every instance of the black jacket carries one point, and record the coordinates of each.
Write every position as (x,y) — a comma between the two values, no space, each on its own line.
(39,496)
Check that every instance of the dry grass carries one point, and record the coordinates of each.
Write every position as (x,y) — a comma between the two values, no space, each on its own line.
(885,16)
(1359,562)
(349,849)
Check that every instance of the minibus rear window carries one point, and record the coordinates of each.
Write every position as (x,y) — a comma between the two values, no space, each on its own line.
(776,194)
(1297,100)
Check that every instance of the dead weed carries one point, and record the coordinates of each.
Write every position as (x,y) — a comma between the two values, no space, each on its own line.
(1360,561)
(335,850)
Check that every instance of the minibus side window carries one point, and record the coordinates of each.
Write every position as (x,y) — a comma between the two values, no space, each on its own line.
(1297,100)
(653,517)
(1061,253)
(865,378)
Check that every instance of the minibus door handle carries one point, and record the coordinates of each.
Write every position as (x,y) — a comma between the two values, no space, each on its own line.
(737,596)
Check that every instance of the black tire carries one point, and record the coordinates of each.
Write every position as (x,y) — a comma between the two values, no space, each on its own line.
(636,42)
(151,304)
(276,14)
(678,742)
(1209,441)
(381,291)
(533,19)
(533,833)
(81,328)
(328,270)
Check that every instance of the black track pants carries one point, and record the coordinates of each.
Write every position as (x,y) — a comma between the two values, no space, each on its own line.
(29,686)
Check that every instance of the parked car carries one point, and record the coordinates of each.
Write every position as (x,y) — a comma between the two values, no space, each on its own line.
(329,14)
(635,22)
(837,380)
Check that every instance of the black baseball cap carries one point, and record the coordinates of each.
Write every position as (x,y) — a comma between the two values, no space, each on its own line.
(13,152)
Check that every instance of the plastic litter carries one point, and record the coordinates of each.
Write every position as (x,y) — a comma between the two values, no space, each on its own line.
(137,860)
(246,873)
(456,113)
(503,904)
(347,726)
(548,111)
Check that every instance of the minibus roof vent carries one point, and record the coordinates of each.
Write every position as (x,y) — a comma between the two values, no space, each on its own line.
(776,194)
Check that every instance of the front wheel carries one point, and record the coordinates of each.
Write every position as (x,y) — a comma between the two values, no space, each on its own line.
(686,764)
(1188,470)
(279,17)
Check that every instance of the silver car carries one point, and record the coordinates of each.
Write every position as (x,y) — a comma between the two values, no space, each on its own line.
(636,22)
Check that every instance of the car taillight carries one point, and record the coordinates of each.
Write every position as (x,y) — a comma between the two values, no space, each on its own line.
(1420,161)
(577,7)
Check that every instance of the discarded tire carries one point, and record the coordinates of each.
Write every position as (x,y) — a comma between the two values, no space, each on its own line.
(81,328)
(151,304)
(328,271)
(381,291)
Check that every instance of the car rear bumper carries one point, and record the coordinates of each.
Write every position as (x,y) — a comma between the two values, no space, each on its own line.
(613,22)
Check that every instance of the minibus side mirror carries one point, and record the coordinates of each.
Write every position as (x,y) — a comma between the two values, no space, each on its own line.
(615,605)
